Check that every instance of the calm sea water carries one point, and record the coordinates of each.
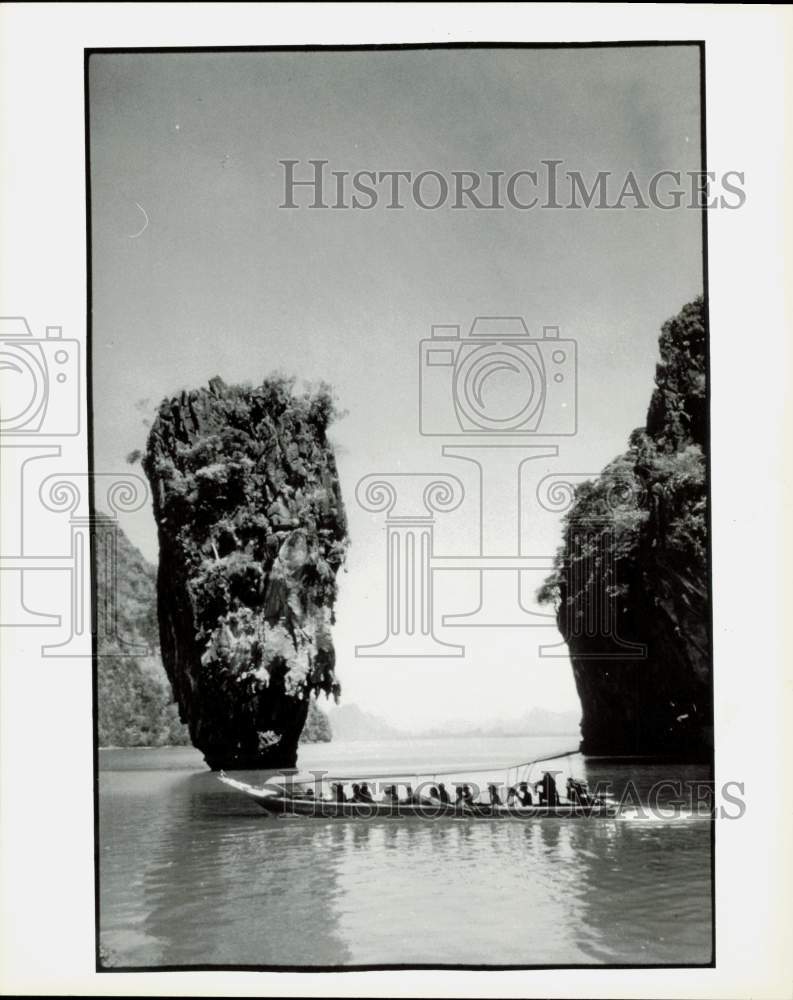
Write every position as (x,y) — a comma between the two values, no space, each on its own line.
(192,873)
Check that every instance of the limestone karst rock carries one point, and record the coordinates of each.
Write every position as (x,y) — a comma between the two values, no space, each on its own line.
(252,533)
(633,569)
(134,702)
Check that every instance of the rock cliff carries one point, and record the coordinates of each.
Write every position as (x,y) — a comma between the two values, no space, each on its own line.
(252,532)
(630,585)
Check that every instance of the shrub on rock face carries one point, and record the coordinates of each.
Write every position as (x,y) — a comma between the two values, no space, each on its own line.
(252,534)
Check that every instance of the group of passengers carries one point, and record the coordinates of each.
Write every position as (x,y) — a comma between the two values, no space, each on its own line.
(517,795)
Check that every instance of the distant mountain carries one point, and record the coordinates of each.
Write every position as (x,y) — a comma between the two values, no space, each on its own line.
(317,727)
(134,702)
(536,722)
(351,723)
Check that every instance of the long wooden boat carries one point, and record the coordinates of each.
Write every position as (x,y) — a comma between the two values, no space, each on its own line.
(280,801)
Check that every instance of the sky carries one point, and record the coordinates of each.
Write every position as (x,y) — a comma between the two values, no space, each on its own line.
(198,272)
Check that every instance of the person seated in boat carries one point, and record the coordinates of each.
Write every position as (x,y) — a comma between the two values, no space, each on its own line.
(495,798)
(472,800)
(338,792)
(390,795)
(361,793)
(583,794)
(524,795)
(413,798)
(464,800)
(438,795)
(577,793)
(546,786)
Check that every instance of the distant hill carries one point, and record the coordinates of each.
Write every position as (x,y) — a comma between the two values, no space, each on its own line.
(351,723)
(536,722)
(317,728)
(134,701)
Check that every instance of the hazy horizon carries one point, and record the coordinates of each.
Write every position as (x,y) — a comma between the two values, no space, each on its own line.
(452,726)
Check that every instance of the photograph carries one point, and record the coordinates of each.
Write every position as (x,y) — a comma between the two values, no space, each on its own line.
(399,356)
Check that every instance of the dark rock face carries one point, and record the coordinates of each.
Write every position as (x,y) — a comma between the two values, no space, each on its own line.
(252,532)
(633,572)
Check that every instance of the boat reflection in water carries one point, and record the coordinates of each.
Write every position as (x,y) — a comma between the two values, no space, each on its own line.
(194,874)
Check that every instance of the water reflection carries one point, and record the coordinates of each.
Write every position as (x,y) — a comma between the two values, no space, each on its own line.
(215,891)
(194,874)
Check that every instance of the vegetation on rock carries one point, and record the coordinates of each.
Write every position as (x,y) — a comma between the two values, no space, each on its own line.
(135,707)
(252,534)
(134,703)
(634,569)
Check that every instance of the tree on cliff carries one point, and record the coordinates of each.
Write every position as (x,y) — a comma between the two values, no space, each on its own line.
(633,570)
(252,533)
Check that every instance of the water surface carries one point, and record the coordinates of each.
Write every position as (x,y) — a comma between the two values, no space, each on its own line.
(193,873)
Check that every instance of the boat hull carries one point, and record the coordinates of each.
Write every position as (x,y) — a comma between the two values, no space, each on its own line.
(276,802)
(325,809)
